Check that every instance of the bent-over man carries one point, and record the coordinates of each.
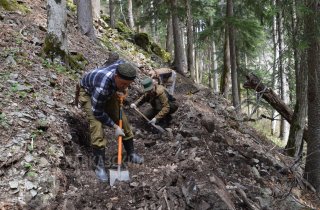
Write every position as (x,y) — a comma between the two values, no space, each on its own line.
(98,98)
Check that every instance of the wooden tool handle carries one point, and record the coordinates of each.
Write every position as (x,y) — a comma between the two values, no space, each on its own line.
(142,114)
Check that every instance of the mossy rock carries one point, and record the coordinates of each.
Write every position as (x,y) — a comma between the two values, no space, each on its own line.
(156,49)
(77,61)
(123,29)
(109,45)
(143,40)
(12,5)
(105,18)
(52,49)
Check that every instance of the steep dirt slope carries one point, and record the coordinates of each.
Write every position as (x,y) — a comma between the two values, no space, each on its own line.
(210,158)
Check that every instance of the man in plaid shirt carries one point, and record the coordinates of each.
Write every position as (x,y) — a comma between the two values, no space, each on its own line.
(98,98)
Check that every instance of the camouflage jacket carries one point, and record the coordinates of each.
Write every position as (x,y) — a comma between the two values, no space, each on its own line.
(158,100)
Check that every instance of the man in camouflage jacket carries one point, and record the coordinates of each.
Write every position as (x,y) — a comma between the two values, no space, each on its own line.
(163,104)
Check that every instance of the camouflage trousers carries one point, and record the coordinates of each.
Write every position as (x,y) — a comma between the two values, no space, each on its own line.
(98,138)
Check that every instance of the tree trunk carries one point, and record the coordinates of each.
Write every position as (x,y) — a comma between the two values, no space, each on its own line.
(153,20)
(85,20)
(274,81)
(295,140)
(169,39)
(234,74)
(196,62)
(225,77)
(312,168)
(112,13)
(284,127)
(124,18)
(214,62)
(210,66)
(201,66)
(130,14)
(179,61)
(190,41)
(215,68)
(294,146)
(96,9)
(238,78)
(56,39)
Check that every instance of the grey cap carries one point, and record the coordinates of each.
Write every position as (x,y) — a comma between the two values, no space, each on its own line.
(127,71)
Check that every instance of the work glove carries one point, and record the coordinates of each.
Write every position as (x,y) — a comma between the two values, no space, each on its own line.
(153,121)
(118,131)
(133,106)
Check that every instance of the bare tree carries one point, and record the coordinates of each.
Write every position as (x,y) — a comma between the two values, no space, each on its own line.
(274,81)
(56,38)
(284,126)
(153,22)
(232,45)
(130,14)
(214,61)
(179,60)
(225,77)
(96,9)
(112,14)
(169,38)
(215,68)
(190,59)
(85,20)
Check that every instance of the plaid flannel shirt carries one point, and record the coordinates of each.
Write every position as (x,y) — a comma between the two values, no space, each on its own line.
(100,85)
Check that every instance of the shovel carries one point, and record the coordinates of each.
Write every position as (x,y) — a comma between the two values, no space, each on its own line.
(119,173)
(159,128)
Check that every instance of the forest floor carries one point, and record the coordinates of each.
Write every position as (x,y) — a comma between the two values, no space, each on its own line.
(209,159)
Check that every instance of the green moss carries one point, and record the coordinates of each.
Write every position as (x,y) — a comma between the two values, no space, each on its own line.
(23,8)
(105,18)
(52,47)
(72,7)
(12,5)
(124,30)
(5,4)
(77,61)
(109,45)
(165,56)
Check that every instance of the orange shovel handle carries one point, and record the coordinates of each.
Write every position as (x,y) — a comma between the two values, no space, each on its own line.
(120,137)
(120,145)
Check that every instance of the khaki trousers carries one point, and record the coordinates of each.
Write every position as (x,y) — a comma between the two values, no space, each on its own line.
(112,108)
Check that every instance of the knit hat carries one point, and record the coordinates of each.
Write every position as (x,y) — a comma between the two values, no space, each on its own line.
(147,84)
(127,71)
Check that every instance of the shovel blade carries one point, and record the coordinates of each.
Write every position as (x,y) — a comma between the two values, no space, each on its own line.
(121,175)
(159,128)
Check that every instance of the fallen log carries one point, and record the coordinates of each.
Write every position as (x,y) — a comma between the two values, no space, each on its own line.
(253,82)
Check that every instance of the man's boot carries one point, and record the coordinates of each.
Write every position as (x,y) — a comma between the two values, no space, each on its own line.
(133,157)
(99,158)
